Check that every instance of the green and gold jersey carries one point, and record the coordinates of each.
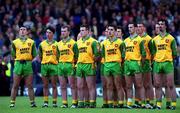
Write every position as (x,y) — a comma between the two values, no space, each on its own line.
(49,52)
(68,50)
(23,49)
(134,48)
(164,48)
(148,45)
(87,50)
(113,50)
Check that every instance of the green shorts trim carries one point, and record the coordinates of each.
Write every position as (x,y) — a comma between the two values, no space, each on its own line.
(132,67)
(163,67)
(102,69)
(23,68)
(146,66)
(49,69)
(85,69)
(65,69)
(112,68)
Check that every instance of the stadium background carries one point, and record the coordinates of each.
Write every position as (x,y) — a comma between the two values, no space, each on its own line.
(38,14)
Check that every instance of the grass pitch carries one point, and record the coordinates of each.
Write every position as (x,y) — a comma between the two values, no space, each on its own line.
(23,106)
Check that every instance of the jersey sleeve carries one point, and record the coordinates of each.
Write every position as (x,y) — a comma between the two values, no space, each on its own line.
(40,51)
(150,46)
(34,52)
(174,48)
(142,49)
(122,49)
(75,50)
(13,50)
(95,48)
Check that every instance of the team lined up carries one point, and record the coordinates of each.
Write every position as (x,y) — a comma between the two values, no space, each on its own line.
(123,64)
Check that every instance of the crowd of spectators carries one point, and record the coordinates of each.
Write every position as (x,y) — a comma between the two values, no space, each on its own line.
(38,14)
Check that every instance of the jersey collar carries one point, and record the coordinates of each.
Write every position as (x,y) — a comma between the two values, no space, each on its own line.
(67,40)
(164,35)
(133,36)
(113,39)
(86,38)
(49,42)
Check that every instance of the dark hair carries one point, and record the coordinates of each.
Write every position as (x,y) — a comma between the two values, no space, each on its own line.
(111,25)
(164,21)
(51,29)
(135,25)
(142,22)
(122,30)
(86,26)
(66,26)
(27,27)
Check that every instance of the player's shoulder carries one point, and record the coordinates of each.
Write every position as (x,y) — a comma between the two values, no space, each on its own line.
(148,37)
(30,40)
(119,40)
(16,40)
(170,36)
(126,39)
(156,37)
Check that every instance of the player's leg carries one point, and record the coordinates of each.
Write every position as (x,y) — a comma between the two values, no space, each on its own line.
(129,84)
(27,71)
(149,92)
(63,85)
(86,95)
(91,83)
(158,90)
(80,87)
(115,95)
(110,86)
(45,81)
(18,68)
(104,87)
(158,82)
(29,84)
(54,87)
(73,85)
(139,85)
(104,82)
(169,86)
(15,86)
(119,89)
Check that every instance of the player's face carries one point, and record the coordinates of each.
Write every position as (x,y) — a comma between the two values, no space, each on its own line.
(157,29)
(49,34)
(140,28)
(131,28)
(111,31)
(83,31)
(64,32)
(162,26)
(23,31)
(106,32)
(119,33)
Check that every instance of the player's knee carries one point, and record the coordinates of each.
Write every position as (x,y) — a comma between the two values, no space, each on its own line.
(139,85)
(15,87)
(110,86)
(45,86)
(73,86)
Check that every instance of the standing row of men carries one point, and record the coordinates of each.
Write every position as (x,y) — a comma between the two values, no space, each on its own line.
(123,64)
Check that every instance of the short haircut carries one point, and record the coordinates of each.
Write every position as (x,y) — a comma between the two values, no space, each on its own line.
(86,26)
(66,26)
(119,27)
(164,21)
(111,25)
(135,25)
(51,29)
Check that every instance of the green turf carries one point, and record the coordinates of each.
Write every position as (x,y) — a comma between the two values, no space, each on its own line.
(23,106)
